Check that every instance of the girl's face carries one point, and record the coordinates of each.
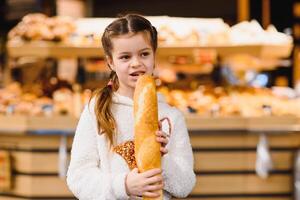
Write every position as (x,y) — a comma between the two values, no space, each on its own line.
(132,56)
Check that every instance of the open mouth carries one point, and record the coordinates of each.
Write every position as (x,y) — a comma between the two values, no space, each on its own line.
(139,73)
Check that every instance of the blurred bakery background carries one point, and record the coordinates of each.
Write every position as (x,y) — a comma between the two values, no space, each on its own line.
(231,66)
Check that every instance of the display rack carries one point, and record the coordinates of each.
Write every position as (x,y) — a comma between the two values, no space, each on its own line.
(18,124)
(227,145)
(248,124)
(224,148)
(58,50)
(22,124)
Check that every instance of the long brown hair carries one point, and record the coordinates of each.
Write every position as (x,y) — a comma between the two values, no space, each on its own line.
(130,23)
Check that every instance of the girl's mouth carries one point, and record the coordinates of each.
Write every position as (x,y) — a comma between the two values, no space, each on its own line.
(138,73)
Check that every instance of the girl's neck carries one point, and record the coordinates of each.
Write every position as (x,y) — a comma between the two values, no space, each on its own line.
(126,93)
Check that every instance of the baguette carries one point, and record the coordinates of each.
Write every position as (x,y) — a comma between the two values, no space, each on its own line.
(147,149)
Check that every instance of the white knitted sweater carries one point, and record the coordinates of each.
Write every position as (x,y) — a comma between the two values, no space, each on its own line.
(96,174)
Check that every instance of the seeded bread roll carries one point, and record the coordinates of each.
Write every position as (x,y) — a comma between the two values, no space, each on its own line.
(147,149)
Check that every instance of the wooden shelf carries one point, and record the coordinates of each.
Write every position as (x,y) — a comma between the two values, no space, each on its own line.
(270,51)
(61,50)
(249,124)
(20,124)
(51,49)
(67,124)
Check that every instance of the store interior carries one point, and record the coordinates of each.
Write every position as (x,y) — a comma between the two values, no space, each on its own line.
(232,67)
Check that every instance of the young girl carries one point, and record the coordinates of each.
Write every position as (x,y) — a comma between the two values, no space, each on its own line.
(102,163)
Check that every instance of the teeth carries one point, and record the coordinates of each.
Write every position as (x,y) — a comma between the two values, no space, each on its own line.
(137,73)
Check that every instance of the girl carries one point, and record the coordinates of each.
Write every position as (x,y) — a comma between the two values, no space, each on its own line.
(102,165)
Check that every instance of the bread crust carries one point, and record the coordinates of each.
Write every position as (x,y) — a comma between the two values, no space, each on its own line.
(147,149)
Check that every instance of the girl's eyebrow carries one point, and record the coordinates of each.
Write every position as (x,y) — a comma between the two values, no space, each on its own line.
(147,48)
(125,52)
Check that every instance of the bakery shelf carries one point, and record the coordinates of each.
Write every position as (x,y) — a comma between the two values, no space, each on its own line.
(198,123)
(267,124)
(61,50)
(51,49)
(273,51)
(18,124)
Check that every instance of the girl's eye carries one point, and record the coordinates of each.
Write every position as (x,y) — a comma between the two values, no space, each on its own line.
(125,57)
(144,54)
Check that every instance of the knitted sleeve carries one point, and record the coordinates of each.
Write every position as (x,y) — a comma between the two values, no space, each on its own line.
(178,163)
(85,178)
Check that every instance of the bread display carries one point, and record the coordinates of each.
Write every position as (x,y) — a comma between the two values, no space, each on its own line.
(172,31)
(232,101)
(40,27)
(13,100)
(205,101)
(147,149)
(175,70)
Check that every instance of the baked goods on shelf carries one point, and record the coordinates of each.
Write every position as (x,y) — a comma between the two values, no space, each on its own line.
(252,33)
(14,101)
(40,27)
(178,31)
(172,31)
(205,101)
(232,101)
(192,32)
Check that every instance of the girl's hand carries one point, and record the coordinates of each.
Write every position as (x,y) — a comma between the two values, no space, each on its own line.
(162,138)
(144,184)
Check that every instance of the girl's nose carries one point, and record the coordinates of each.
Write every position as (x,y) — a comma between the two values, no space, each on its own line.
(135,62)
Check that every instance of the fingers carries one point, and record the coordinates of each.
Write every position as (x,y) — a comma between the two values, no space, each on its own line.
(155,187)
(154,180)
(162,137)
(145,184)
(151,172)
(163,150)
(162,140)
(160,133)
(151,194)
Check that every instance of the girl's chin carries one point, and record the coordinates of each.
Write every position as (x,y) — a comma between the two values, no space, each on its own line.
(132,83)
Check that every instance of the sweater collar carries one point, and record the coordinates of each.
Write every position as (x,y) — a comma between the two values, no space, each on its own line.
(120,99)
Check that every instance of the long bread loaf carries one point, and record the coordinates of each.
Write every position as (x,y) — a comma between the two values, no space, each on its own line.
(147,149)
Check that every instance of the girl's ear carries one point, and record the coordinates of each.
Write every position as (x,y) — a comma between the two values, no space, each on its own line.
(110,62)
